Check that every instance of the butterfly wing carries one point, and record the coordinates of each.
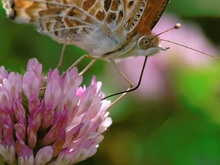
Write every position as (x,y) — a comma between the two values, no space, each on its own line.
(152,13)
(96,26)
(84,23)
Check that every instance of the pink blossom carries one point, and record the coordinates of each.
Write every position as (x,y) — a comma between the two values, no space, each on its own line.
(50,120)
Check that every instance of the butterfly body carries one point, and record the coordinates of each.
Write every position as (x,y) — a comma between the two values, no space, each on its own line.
(106,29)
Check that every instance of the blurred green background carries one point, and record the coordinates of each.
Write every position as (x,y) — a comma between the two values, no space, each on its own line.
(180,126)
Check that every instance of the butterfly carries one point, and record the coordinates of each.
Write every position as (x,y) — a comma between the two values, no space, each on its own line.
(106,29)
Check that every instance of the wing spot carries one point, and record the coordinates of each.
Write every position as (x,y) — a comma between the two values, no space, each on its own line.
(130,4)
(100,15)
(111,17)
(107,4)
(88,4)
(115,5)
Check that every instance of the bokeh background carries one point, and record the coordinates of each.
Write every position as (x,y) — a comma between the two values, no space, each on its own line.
(174,117)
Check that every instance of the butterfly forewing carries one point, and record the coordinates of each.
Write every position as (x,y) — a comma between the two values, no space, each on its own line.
(152,13)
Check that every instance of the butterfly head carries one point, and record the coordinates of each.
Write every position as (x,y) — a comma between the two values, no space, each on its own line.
(145,45)
(150,43)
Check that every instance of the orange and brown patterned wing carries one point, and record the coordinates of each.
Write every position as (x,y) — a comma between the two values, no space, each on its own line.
(71,20)
(152,13)
(53,16)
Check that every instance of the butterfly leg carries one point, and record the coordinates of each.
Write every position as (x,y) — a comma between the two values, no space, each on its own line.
(87,67)
(62,55)
(123,93)
(131,88)
(78,61)
(122,74)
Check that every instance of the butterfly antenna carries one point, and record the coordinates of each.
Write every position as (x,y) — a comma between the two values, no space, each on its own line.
(206,54)
(177,26)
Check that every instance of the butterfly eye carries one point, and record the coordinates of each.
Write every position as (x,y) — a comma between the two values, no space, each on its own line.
(144,42)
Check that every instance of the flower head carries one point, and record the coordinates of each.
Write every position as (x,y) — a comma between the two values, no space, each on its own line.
(49,120)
